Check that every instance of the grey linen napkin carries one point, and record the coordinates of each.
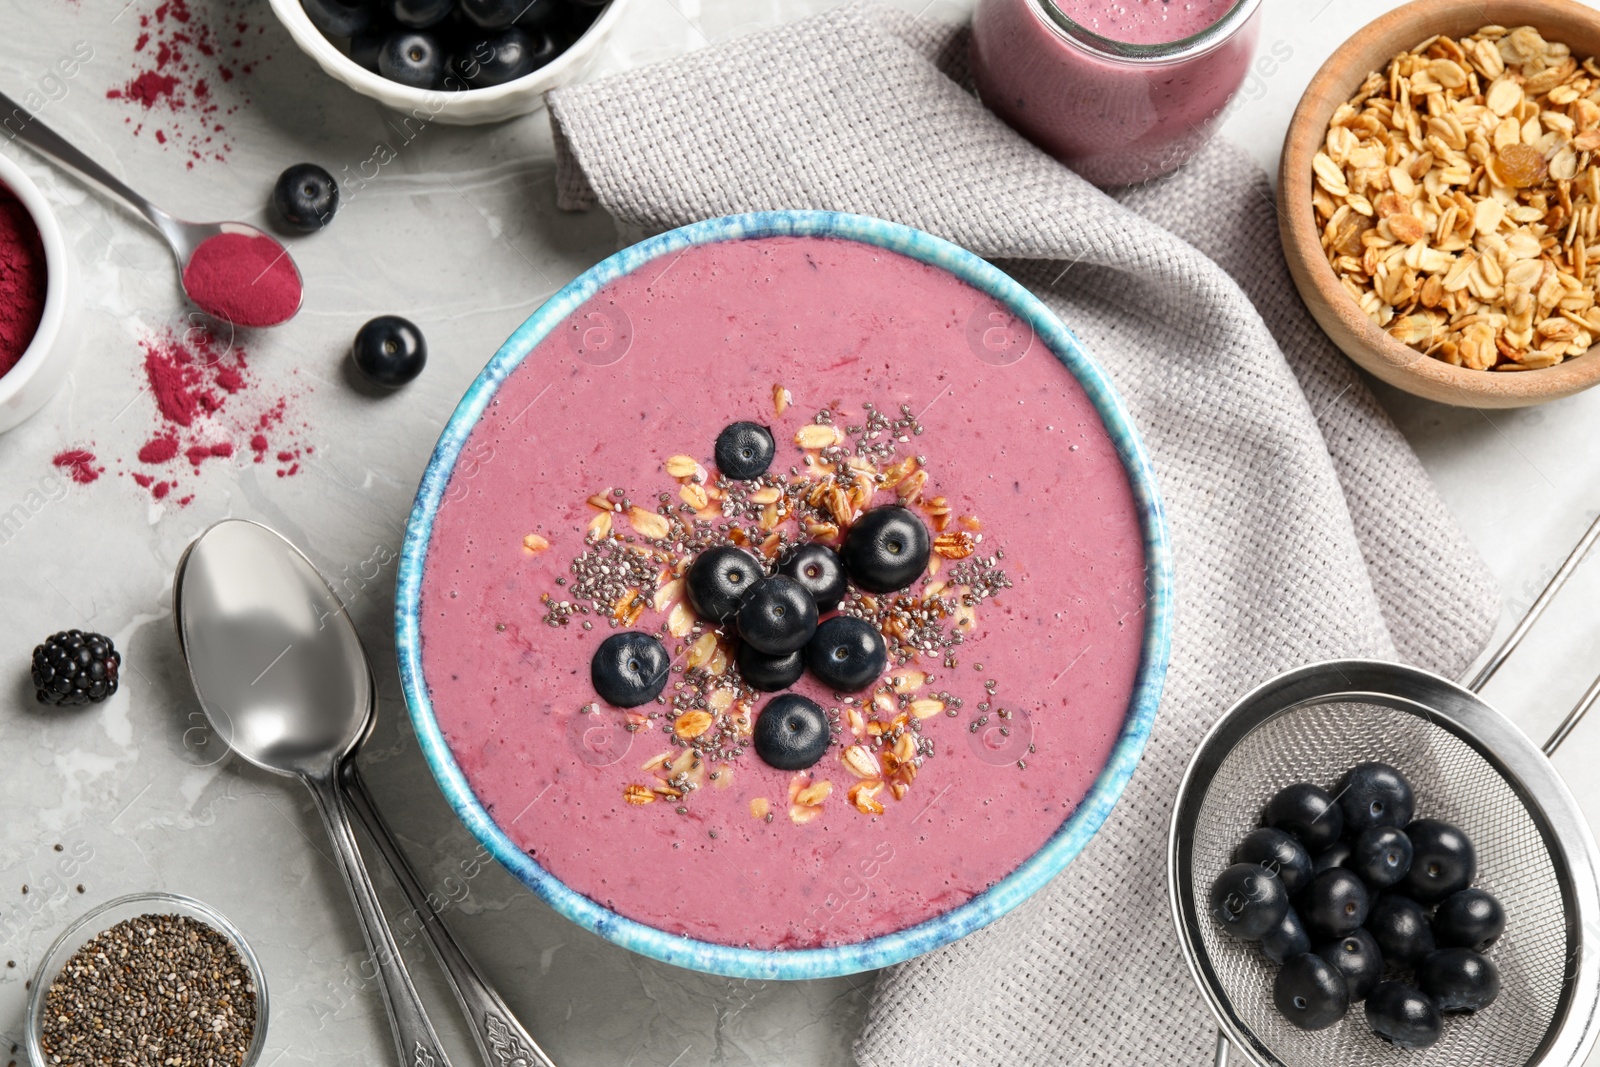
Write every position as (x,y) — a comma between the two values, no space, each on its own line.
(1303,526)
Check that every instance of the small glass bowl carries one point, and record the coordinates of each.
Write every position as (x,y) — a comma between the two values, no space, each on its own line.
(110,914)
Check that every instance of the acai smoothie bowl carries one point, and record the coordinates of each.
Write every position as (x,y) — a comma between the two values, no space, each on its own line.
(788,597)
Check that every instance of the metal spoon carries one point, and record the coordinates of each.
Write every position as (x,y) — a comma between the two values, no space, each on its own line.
(257,586)
(183,237)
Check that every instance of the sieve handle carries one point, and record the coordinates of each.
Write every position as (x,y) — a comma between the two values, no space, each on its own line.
(1574,717)
(1223,1049)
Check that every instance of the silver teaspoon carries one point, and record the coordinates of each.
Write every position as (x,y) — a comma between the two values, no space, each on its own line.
(231,270)
(293,695)
(502,1041)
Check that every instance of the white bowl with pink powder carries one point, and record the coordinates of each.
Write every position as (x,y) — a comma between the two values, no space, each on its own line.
(34,356)
(471,108)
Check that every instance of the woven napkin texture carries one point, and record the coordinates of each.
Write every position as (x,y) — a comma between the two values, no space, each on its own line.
(1303,526)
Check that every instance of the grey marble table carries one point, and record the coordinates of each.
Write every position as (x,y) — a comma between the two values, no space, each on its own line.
(458,230)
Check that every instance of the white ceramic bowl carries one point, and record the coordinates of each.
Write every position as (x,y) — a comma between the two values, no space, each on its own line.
(469,108)
(44,366)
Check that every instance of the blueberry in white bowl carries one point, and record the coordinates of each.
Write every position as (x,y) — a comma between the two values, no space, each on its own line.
(1357,957)
(1404,1016)
(1307,813)
(501,56)
(1278,853)
(1472,918)
(339,18)
(1459,980)
(1375,794)
(1310,994)
(420,14)
(1443,862)
(1334,904)
(412,58)
(1402,928)
(1248,901)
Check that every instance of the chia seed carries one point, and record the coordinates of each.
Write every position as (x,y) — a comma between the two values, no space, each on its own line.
(151,991)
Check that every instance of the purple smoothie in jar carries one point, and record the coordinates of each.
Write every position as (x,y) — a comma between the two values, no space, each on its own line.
(1122,91)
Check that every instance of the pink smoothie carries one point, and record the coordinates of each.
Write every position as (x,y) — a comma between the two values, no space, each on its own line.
(1115,117)
(653,368)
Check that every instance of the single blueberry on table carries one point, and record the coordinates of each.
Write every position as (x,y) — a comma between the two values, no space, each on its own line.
(847,654)
(777,616)
(1278,853)
(389,351)
(1375,794)
(1308,814)
(886,549)
(1334,904)
(1459,980)
(630,669)
(817,567)
(1310,993)
(1443,861)
(1404,1016)
(769,674)
(1400,926)
(1357,957)
(1286,940)
(718,580)
(791,733)
(745,450)
(305,197)
(1381,855)
(1472,918)
(412,58)
(1248,901)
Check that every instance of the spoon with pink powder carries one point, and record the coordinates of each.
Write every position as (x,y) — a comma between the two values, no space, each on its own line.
(232,271)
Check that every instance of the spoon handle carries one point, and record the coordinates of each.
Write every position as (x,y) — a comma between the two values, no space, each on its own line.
(23,125)
(501,1039)
(414,1036)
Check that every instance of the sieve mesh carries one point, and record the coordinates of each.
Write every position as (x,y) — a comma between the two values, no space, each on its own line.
(1318,742)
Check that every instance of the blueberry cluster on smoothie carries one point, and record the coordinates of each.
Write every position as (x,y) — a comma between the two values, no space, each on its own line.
(759,577)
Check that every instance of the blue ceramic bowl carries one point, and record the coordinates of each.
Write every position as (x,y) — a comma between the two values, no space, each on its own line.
(983,909)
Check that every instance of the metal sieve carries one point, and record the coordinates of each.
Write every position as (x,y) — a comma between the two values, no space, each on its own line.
(1468,765)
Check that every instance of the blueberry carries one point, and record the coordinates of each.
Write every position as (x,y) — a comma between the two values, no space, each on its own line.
(1403,1016)
(1278,853)
(501,57)
(493,14)
(1286,940)
(1471,918)
(1334,904)
(413,59)
(847,654)
(339,18)
(745,450)
(420,14)
(1310,993)
(791,732)
(389,351)
(1459,980)
(886,550)
(1444,861)
(1375,794)
(1248,901)
(817,567)
(305,197)
(770,674)
(629,669)
(1335,855)
(1400,926)
(777,616)
(536,15)
(1357,957)
(1381,855)
(718,580)
(1307,813)
(365,48)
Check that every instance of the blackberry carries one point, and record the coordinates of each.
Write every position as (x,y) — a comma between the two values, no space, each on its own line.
(74,668)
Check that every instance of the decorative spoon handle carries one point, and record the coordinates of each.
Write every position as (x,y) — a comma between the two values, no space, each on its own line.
(414,1036)
(21,124)
(502,1041)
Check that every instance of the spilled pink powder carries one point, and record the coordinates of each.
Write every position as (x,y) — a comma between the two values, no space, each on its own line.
(79,463)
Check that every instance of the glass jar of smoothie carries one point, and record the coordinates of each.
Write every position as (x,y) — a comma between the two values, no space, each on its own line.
(1121,91)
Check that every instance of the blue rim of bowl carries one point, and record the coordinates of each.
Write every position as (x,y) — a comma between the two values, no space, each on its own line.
(829,961)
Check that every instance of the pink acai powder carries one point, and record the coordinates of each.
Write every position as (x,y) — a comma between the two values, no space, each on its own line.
(654,367)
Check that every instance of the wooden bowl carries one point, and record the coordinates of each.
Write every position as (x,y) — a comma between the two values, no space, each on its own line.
(1371,49)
